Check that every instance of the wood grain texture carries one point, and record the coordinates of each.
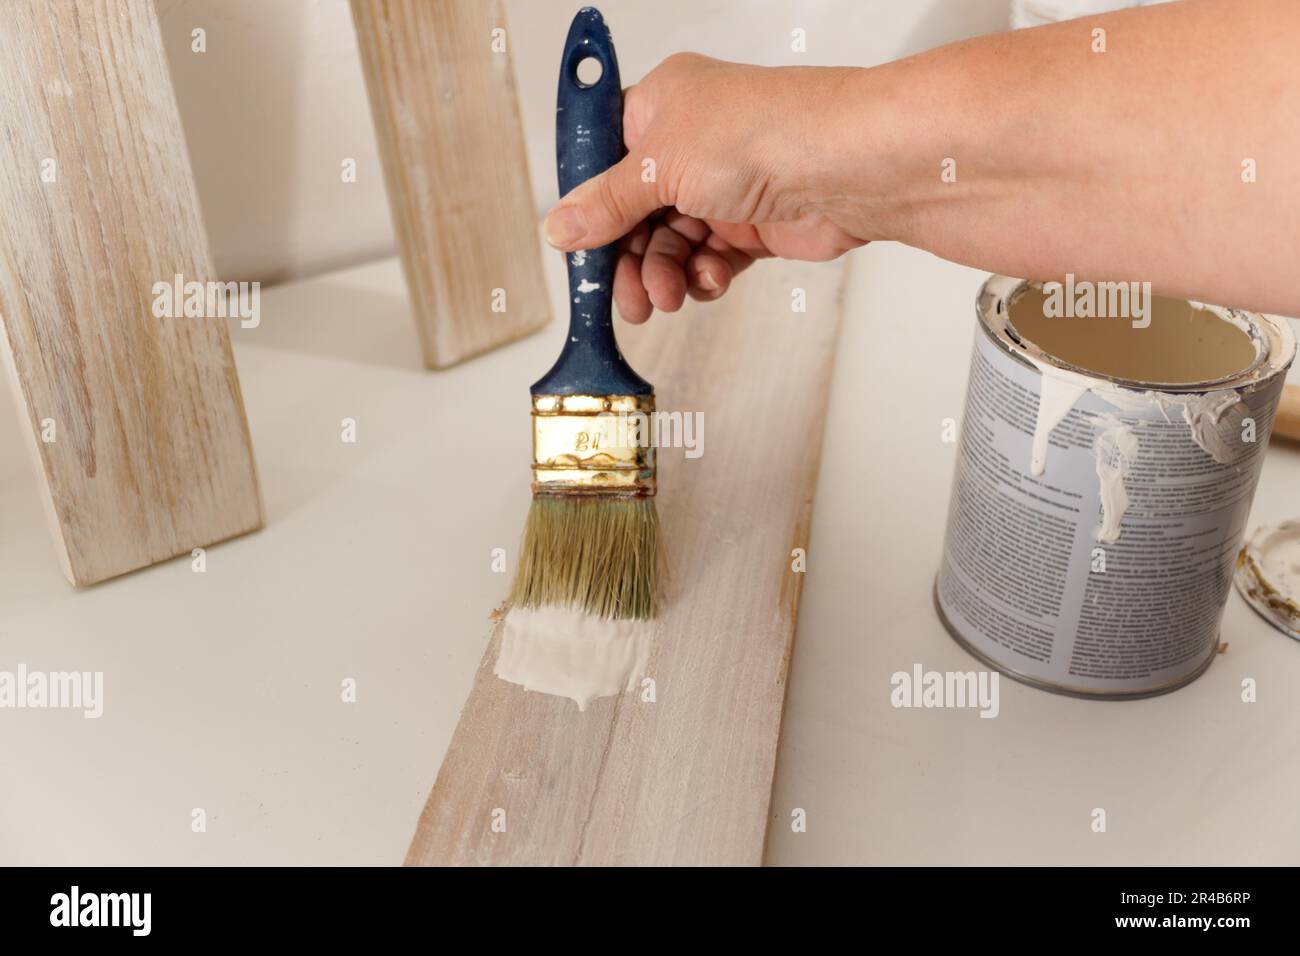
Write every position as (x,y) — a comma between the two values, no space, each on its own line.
(1287,423)
(151,454)
(447,119)
(686,779)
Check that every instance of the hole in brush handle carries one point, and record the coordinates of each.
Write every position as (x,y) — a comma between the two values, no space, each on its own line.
(593,69)
(588,116)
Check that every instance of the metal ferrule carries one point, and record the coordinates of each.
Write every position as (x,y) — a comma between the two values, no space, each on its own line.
(593,444)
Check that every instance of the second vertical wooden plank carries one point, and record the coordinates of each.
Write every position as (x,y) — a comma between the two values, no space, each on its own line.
(442,94)
(131,400)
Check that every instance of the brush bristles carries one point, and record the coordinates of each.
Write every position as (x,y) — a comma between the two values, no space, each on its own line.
(597,554)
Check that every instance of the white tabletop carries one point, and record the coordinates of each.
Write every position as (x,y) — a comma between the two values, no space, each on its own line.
(222,689)
(1196,776)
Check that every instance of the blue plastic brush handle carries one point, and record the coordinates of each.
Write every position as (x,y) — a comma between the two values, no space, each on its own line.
(589,140)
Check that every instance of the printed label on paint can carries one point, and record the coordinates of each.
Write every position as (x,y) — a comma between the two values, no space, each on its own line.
(1106,574)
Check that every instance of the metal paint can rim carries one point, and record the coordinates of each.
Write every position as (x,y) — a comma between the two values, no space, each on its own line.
(1274,340)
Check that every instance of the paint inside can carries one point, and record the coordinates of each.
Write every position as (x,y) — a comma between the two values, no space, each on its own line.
(1105,471)
(1175,342)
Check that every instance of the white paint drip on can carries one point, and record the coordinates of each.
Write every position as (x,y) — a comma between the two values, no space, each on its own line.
(1116,446)
(1103,486)
(1060,394)
(1203,413)
(1060,391)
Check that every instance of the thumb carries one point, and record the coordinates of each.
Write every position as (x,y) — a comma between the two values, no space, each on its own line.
(603,209)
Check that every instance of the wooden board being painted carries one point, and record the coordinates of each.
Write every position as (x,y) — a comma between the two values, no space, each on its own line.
(442,94)
(136,422)
(686,779)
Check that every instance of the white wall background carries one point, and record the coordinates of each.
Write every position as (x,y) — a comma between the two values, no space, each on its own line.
(278,101)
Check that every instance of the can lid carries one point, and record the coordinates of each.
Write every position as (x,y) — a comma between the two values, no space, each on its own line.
(1268,575)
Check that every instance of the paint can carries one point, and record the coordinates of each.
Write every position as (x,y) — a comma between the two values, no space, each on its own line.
(1107,460)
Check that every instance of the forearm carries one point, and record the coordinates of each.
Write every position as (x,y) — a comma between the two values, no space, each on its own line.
(1123,164)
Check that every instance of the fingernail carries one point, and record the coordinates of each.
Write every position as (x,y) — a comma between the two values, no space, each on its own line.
(709,283)
(564,226)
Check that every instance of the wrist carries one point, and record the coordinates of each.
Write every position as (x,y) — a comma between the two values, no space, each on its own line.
(873,181)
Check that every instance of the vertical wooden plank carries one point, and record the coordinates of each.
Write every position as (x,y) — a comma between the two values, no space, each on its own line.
(150,453)
(1287,422)
(447,119)
(687,779)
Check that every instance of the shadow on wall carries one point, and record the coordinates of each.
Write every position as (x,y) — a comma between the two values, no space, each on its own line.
(947,21)
(339,318)
(273,106)
(277,102)
(830,33)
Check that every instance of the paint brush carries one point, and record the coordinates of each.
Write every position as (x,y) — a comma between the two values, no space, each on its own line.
(591,542)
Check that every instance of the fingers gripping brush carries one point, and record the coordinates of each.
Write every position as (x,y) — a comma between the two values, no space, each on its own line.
(592,538)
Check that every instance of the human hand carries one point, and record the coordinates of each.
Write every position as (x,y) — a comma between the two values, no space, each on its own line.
(726,164)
